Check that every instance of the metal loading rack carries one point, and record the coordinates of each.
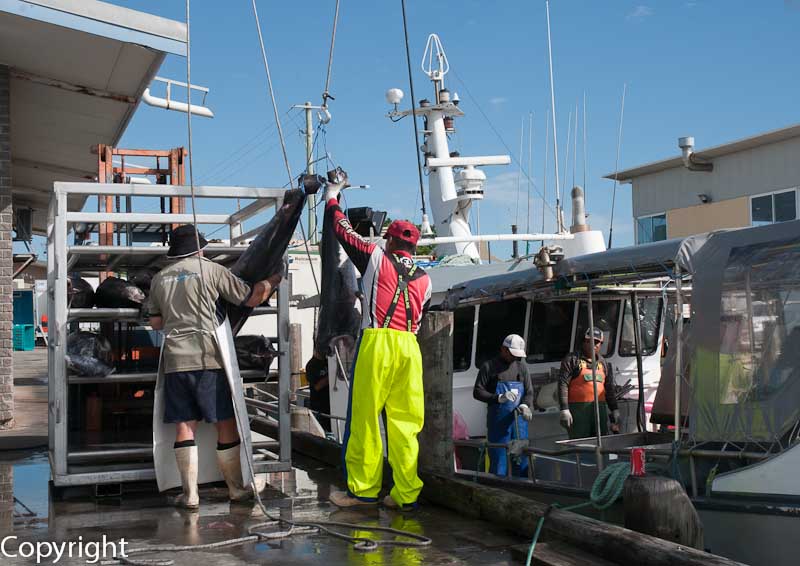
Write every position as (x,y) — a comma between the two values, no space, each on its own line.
(125,455)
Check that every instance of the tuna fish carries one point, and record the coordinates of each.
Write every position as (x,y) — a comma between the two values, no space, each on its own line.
(339,298)
(264,257)
(89,354)
(143,278)
(115,293)
(80,293)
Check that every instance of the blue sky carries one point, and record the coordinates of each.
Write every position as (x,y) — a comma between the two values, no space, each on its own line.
(718,70)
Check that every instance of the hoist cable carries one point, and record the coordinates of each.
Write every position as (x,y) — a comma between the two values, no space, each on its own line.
(413,108)
(272,94)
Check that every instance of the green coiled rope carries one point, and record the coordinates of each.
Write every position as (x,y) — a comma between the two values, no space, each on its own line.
(606,489)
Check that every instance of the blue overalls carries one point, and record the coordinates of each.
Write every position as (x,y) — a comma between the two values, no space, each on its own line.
(501,428)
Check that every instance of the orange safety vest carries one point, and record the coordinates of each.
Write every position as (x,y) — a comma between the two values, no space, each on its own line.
(580,386)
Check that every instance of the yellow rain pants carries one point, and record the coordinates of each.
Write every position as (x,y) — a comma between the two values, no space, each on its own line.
(388,375)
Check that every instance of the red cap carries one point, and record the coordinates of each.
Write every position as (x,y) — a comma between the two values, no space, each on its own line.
(403,230)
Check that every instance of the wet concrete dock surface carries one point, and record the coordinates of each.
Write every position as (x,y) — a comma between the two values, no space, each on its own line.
(28,512)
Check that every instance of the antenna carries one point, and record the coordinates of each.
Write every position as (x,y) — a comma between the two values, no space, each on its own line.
(575,145)
(435,50)
(544,178)
(585,188)
(519,173)
(566,155)
(559,215)
(530,168)
(616,167)
(426,224)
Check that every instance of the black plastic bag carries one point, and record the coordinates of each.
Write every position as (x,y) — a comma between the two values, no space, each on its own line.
(254,352)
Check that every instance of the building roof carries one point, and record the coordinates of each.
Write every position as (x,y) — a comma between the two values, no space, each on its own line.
(710,153)
(78,70)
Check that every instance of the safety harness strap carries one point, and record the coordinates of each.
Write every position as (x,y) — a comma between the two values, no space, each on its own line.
(402,288)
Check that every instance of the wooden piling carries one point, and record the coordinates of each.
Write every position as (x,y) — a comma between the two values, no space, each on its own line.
(521,515)
(660,507)
(436,439)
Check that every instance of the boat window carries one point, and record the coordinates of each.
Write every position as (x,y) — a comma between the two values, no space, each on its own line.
(463,329)
(650,314)
(550,331)
(495,322)
(760,323)
(606,317)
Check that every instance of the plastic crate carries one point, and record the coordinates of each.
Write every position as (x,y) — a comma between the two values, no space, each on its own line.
(24,338)
(23,306)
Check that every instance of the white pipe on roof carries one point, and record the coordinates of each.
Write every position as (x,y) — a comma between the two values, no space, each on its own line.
(159,102)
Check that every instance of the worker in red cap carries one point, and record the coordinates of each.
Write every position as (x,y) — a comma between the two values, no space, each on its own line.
(388,366)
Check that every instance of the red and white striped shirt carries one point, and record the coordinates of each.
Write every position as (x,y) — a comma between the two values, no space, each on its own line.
(380,276)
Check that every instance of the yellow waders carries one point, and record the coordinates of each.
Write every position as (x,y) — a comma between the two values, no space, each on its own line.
(388,375)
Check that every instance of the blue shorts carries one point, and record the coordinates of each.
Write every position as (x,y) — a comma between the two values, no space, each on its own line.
(197,395)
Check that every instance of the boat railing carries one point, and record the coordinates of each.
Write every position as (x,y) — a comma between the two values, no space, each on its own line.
(588,447)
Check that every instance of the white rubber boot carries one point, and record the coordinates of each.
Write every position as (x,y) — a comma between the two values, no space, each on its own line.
(231,467)
(186,457)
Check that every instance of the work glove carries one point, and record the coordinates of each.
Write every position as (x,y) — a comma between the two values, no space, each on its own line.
(508,396)
(615,421)
(334,187)
(527,414)
(565,418)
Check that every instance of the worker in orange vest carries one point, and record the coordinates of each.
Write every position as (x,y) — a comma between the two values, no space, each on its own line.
(576,392)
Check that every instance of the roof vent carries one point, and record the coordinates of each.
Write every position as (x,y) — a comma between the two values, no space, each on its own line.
(690,160)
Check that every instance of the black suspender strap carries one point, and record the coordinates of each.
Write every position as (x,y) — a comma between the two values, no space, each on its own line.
(402,288)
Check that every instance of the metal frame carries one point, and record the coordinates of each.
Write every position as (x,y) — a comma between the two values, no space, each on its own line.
(63,258)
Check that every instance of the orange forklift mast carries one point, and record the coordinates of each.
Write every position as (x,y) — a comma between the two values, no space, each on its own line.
(169,169)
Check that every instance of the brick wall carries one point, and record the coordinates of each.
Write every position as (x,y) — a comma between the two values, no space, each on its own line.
(6,498)
(6,263)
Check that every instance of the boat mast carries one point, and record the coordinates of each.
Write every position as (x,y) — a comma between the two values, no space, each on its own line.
(455,182)
(559,211)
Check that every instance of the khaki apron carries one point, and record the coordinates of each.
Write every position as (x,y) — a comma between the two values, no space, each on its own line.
(167,474)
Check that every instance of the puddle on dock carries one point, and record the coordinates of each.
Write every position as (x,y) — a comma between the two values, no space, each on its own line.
(147,518)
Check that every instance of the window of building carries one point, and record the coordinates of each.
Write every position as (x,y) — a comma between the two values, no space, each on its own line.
(774,207)
(550,331)
(650,315)
(651,229)
(606,318)
(463,330)
(495,322)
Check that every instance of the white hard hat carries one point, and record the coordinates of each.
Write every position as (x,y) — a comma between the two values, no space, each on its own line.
(515,345)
